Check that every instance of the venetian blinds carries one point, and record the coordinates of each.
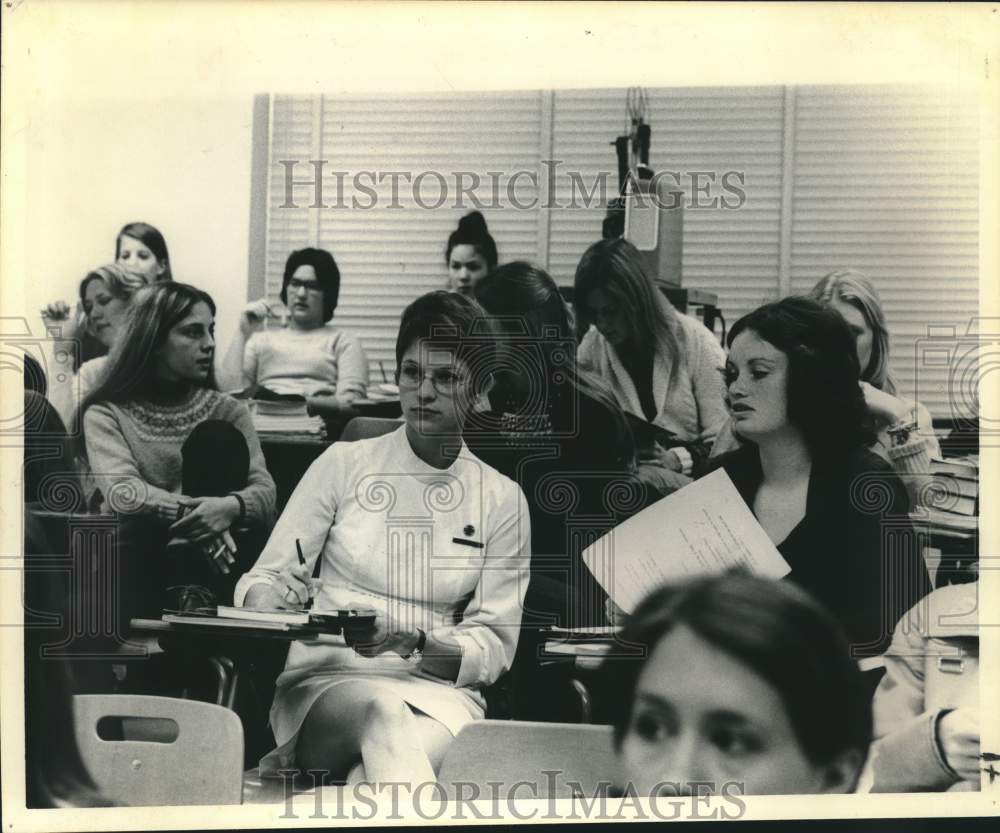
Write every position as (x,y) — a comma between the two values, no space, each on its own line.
(886,181)
(391,164)
(882,179)
(701,134)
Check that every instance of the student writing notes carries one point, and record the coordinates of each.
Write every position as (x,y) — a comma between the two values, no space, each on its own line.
(414,526)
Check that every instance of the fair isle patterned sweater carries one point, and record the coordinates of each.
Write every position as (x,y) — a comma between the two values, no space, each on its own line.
(134,451)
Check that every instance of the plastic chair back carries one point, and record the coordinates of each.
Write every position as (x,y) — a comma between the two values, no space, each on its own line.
(160,750)
(363,428)
(560,759)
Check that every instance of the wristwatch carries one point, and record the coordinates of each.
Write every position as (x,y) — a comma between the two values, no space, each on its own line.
(417,653)
(899,432)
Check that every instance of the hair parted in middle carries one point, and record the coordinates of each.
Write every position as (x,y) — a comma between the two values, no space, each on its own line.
(131,368)
(615,266)
(854,288)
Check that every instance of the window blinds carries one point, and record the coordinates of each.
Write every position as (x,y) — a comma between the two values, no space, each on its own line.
(882,179)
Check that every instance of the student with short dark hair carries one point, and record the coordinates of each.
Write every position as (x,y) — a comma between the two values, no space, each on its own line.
(741,680)
(309,357)
(412,525)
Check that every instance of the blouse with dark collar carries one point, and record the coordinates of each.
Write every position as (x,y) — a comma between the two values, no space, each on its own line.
(855,549)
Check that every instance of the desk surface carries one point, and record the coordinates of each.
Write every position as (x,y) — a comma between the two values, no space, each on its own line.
(278,438)
(158,627)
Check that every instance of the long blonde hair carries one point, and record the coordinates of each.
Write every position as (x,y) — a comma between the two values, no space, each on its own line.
(615,266)
(855,288)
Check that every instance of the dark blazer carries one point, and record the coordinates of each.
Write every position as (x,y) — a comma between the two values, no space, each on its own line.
(855,550)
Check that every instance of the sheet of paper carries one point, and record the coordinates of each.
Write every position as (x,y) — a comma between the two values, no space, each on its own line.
(706,527)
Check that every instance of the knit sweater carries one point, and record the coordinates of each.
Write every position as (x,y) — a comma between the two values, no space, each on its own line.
(303,362)
(134,451)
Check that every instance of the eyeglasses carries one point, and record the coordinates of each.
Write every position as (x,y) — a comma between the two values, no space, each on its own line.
(295,284)
(444,379)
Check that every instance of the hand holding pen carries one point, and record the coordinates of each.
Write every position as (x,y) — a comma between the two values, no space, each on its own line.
(302,563)
(291,589)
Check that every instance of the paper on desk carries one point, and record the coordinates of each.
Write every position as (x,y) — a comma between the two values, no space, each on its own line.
(705,527)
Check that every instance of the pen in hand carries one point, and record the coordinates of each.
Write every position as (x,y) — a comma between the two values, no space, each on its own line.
(302,561)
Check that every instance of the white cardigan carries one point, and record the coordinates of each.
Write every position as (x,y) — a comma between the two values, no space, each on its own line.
(693,408)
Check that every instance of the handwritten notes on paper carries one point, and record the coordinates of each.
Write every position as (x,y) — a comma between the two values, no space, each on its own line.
(706,527)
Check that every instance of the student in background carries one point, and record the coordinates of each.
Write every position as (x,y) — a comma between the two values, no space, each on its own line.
(904,430)
(139,248)
(173,456)
(55,775)
(414,526)
(662,367)
(471,253)
(926,708)
(309,357)
(105,295)
(566,442)
(805,470)
(742,681)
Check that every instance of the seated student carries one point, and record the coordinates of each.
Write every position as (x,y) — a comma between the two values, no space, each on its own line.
(310,357)
(471,254)
(742,681)
(141,250)
(805,470)
(904,430)
(926,708)
(414,526)
(105,295)
(567,444)
(170,452)
(55,775)
(48,460)
(661,367)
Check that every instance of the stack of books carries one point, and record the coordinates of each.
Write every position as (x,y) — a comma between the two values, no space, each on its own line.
(580,642)
(954,499)
(281,420)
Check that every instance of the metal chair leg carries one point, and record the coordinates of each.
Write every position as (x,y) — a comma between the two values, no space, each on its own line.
(222,673)
(586,701)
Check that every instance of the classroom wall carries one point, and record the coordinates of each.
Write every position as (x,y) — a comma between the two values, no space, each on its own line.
(182,164)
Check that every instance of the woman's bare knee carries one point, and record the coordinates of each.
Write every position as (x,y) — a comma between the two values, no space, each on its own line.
(330,737)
